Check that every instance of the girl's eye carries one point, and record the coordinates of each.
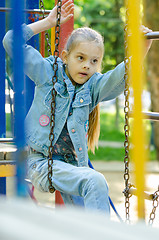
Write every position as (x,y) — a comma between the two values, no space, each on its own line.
(94,61)
(80,58)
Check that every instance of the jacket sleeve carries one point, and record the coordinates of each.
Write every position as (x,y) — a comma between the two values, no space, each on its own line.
(108,85)
(37,68)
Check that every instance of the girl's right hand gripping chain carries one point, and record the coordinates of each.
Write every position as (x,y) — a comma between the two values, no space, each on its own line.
(67,10)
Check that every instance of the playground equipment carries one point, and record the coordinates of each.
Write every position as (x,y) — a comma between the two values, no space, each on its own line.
(134,74)
(136,115)
(8,166)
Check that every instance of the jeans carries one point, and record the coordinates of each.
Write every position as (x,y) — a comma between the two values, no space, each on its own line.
(73,182)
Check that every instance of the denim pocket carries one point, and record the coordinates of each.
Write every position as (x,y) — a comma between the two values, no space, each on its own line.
(81,106)
(61,100)
(82,99)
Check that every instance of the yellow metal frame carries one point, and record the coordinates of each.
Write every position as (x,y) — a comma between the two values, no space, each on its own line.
(53,40)
(136,76)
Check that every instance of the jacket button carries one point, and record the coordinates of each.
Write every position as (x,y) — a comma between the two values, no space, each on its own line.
(80,149)
(70,113)
(34,166)
(73,130)
(81,100)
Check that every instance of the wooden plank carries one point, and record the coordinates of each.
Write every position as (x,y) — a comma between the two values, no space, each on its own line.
(7,151)
(7,170)
(7,167)
(6,155)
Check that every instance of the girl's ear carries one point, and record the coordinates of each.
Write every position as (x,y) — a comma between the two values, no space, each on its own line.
(64,56)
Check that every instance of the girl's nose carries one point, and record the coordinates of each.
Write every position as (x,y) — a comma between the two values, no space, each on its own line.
(86,65)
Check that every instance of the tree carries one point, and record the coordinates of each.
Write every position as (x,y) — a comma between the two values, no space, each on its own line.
(107,18)
(152,17)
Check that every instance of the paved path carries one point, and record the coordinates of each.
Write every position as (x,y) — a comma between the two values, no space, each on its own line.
(113,172)
(111,144)
(118,166)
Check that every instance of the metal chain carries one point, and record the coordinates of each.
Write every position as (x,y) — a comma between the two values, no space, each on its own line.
(47,37)
(126,126)
(155,205)
(54,80)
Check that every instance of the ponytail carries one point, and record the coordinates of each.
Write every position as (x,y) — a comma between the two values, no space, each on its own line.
(94,129)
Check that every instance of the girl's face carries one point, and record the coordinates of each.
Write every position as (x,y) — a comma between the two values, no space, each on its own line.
(82,61)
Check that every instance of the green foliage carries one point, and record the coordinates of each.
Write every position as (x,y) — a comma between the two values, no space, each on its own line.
(106,18)
(8,122)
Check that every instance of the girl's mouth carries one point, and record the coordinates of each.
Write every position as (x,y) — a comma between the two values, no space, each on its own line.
(83,74)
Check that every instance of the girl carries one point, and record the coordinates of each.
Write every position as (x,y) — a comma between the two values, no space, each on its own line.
(80,87)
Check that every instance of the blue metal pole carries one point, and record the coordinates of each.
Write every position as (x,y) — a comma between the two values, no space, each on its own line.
(2,74)
(17,19)
(2,89)
(34,41)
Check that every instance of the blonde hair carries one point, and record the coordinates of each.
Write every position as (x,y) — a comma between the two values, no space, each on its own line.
(77,36)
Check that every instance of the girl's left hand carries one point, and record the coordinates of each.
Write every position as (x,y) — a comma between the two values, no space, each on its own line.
(67,10)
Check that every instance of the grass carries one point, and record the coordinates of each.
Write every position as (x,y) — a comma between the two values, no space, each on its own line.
(114,154)
(109,132)
(107,154)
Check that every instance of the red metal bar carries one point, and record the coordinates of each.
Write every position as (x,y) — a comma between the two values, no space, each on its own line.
(66,30)
(58,199)
(42,46)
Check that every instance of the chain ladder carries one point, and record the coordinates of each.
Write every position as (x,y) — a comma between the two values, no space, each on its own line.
(155,205)
(54,80)
(126,126)
(53,93)
(47,37)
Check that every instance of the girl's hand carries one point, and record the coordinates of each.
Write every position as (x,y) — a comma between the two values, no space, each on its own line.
(148,41)
(50,21)
(67,10)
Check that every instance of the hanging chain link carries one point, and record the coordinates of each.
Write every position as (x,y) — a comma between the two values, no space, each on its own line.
(126,126)
(53,93)
(47,37)
(155,205)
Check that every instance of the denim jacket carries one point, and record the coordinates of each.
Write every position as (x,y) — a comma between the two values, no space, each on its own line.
(72,103)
